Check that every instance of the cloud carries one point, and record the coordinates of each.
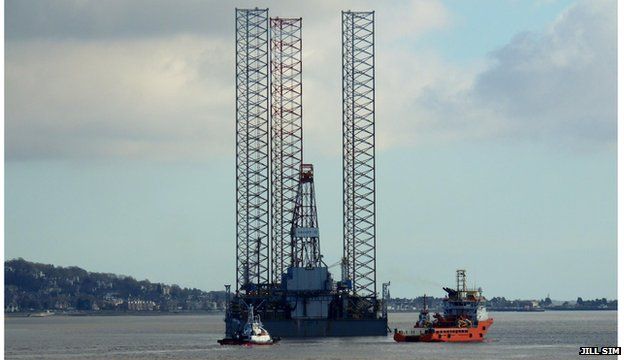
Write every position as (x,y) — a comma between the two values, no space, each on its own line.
(79,19)
(154,79)
(561,83)
(152,98)
(557,86)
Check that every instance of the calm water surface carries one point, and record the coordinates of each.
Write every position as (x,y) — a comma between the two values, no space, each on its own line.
(549,335)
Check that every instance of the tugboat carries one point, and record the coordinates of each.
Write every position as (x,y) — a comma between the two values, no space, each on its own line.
(464,319)
(253,333)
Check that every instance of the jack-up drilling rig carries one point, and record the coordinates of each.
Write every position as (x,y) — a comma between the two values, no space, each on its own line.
(279,269)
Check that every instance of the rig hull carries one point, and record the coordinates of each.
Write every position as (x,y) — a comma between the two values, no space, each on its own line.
(308,304)
(302,328)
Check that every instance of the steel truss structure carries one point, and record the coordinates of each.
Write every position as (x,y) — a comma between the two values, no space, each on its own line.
(252,144)
(358,144)
(305,244)
(286,136)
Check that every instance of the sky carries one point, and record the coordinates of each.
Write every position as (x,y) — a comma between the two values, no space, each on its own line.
(496,140)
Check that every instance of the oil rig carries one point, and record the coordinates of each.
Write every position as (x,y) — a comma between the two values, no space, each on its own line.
(280,271)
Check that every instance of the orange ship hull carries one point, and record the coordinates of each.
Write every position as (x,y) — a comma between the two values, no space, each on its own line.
(446,334)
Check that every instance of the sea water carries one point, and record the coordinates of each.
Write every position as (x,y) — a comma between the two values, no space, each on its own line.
(546,335)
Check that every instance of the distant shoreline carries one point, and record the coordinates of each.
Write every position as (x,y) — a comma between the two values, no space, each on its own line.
(111,313)
(159,313)
(513,310)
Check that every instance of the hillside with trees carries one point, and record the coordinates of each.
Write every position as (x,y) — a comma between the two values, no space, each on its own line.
(32,286)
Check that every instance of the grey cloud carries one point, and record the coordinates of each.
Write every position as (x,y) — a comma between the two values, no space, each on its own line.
(154,79)
(118,19)
(136,84)
(112,18)
(107,19)
(561,82)
(156,99)
(557,86)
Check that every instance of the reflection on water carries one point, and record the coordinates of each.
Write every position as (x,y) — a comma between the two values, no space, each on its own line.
(548,335)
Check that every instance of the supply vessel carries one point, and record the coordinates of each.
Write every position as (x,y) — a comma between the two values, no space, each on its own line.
(464,318)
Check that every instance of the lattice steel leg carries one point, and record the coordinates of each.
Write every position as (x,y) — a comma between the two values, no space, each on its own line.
(358,121)
(252,148)
(286,135)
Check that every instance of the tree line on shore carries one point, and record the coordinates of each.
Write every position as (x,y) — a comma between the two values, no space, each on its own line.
(30,286)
